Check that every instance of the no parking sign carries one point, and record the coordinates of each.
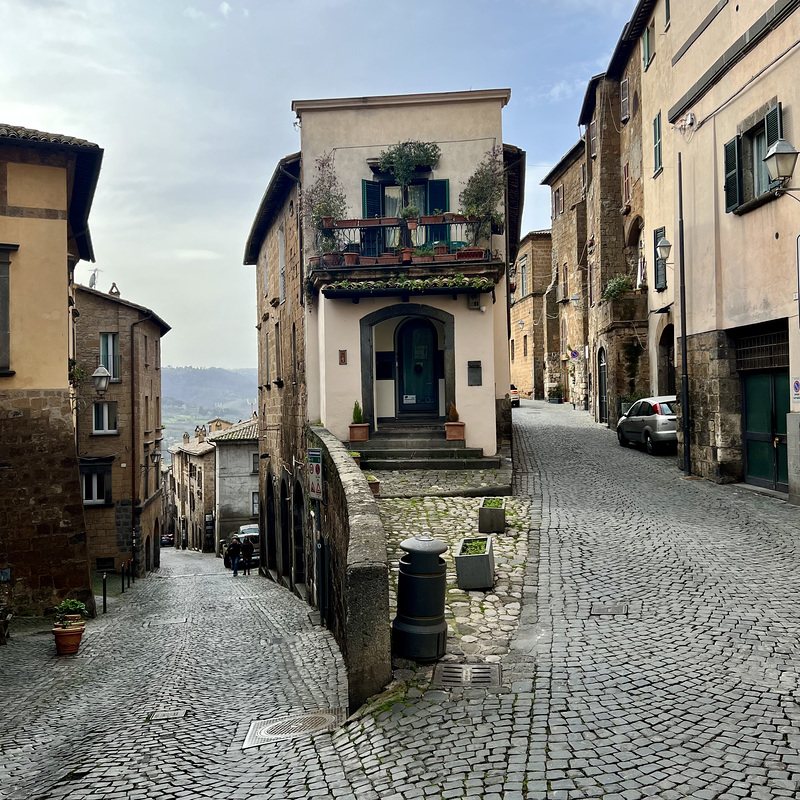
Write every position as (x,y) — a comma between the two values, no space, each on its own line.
(796,391)
(315,473)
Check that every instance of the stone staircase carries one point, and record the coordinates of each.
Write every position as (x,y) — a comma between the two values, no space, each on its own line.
(418,445)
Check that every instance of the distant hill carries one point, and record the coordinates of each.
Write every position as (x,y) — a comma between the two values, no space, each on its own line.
(191,396)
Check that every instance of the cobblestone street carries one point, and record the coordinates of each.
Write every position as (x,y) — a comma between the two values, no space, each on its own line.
(690,689)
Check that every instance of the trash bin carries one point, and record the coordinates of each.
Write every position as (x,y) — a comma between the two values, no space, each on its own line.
(419,631)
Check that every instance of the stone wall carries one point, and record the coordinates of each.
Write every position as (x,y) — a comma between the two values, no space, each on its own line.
(715,407)
(42,528)
(359,574)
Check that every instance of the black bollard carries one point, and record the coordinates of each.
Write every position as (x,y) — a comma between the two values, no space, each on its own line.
(122,574)
(105,594)
(129,574)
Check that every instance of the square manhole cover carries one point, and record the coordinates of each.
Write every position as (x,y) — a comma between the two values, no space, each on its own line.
(157,716)
(293,726)
(615,609)
(480,675)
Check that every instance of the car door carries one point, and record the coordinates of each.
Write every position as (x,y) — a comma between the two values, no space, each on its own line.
(637,420)
(628,423)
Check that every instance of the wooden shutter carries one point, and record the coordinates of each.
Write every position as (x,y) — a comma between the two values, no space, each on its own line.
(657,143)
(561,199)
(626,183)
(661,263)
(624,101)
(773,124)
(733,174)
(593,138)
(371,205)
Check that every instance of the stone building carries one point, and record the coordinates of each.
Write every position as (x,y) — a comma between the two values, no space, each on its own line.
(119,434)
(236,493)
(47,183)
(530,280)
(193,468)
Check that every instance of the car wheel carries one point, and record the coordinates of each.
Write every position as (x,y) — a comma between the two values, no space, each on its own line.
(649,445)
(623,442)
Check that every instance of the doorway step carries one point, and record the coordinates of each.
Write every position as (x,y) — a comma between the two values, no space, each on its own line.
(419,445)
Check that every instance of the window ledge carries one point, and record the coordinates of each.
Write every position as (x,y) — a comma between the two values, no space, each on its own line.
(751,205)
(104,433)
(658,172)
(7,373)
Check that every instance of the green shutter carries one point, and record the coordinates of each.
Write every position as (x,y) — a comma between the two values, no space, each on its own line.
(438,195)
(733,174)
(773,124)
(660,271)
(657,143)
(371,198)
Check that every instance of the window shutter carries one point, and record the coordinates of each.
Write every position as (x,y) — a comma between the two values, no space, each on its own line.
(733,174)
(646,47)
(624,101)
(626,183)
(371,198)
(657,143)
(438,196)
(661,263)
(561,199)
(773,123)
(593,138)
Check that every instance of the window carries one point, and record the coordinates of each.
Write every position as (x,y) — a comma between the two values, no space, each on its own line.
(647,46)
(282,264)
(523,276)
(661,263)
(266,358)
(626,184)
(624,101)
(255,462)
(512,351)
(561,199)
(146,351)
(105,418)
(583,181)
(147,427)
(254,503)
(109,354)
(657,144)
(278,350)
(294,353)
(96,484)
(525,346)
(593,138)
(746,176)
(666,14)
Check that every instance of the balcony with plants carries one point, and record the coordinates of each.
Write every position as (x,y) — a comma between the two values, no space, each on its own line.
(415,250)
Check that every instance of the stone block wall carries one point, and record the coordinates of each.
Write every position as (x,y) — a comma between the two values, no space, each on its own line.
(359,573)
(42,528)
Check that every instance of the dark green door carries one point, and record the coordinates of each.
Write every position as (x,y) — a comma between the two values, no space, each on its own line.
(765,404)
(418,386)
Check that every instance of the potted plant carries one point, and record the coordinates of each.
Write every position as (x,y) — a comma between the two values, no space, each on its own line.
(350,258)
(69,626)
(454,428)
(374,484)
(76,373)
(616,287)
(483,194)
(405,158)
(359,430)
(555,394)
(422,255)
(492,515)
(475,563)
(356,456)
(329,248)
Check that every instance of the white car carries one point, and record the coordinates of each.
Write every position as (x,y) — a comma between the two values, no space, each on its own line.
(514,394)
(651,422)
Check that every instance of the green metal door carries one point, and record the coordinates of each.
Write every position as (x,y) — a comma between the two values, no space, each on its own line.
(418,387)
(765,404)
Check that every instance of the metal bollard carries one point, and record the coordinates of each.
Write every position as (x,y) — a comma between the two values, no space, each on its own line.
(129,574)
(419,631)
(122,574)
(105,594)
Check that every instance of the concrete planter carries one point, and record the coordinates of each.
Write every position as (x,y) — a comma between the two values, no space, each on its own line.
(555,400)
(475,571)
(492,520)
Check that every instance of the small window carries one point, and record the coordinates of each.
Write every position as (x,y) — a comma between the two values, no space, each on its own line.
(583,180)
(282,265)
(525,346)
(647,46)
(523,276)
(593,138)
(255,504)
(105,418)
(96,485)
(255,462)
(666,14)
(624,101)
(561,199)
(512,351)
(657,144)
(626,183)
(109,354)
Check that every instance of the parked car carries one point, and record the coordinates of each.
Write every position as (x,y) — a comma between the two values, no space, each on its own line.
(245,532)
(167,540)
(650,422)
(514,393)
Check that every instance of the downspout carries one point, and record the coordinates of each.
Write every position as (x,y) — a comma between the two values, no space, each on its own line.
(134,445)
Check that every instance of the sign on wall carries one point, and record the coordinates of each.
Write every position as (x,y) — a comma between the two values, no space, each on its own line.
(314,460)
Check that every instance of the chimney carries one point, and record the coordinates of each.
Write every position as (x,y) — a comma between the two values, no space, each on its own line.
(186,438)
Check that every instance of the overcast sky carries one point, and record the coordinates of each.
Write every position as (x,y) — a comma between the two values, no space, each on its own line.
(192,105)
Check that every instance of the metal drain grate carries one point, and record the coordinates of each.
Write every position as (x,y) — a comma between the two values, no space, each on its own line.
(157,716)
(293,726)
(615,609)
(480,675)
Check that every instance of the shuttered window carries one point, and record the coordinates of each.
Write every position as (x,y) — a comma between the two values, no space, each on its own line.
(657,164)
(661,263)
(593,138)
(624,101)
(626,183)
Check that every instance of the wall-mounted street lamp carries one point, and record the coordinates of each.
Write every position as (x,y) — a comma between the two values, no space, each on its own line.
(780,160)
(663,248)
(100,378)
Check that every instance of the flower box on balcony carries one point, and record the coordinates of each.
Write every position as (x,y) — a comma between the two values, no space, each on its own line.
(422,259)
(327,222)
(471,254)
(367,261)
(459,218)
(347,223)
(350,259)
(390,220)
(444,257)
(314,261)
(369,222)
(437,219)
(330,259)
(389,258)
(440,249)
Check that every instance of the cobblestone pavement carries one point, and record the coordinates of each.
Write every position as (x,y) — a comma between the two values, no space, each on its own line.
(692,693)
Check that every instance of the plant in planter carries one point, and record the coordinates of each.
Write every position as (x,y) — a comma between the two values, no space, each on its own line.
(76,373)
(454,428)
(324,200)
(405,158)
(475,563)
(483,194)
(374,484)
(356,456)
(616,287)
(69,626)
(492,515)
(555,394)
(359,430)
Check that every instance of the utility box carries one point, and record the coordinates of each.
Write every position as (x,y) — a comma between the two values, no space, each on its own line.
(419,631)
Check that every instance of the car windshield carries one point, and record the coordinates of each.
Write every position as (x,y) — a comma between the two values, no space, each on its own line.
(665,408)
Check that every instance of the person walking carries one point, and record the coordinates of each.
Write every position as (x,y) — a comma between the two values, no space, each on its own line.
(247,554)
(234,553)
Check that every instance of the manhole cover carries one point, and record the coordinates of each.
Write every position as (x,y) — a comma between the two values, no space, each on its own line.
(481,675)
(156,716)
(600,609)
(293,726)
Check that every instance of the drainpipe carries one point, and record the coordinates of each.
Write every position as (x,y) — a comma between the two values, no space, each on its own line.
(134,444)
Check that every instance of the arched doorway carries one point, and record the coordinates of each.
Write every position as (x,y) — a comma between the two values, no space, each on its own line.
(666,361)
(286,542)
(602,386)
(272,526)
(147,557)
(418,383)
(298,515)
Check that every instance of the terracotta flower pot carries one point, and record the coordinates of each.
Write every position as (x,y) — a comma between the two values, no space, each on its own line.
(359,432)
(390,220)
(369,222)
(347,223)
(389,258)
(407,255)
(440,249)
(436,219)
(350,259)
(68,640)
(314,261)
(327,222)
(330,259)
(454,431)
(376,487)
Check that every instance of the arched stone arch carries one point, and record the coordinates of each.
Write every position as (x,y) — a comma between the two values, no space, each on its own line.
(369,321)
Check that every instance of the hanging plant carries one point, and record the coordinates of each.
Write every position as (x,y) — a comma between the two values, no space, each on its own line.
(404,158)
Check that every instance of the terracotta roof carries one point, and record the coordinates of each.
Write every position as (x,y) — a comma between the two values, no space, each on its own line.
(117,299)
(242,431)
(88,158)
(194,448)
